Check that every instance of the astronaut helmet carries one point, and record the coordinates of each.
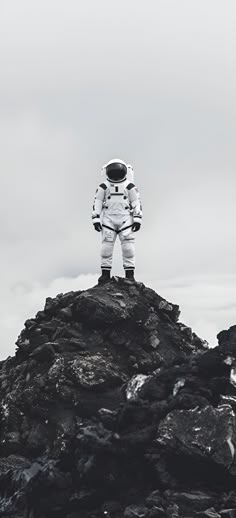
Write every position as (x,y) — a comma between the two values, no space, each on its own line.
(116,170)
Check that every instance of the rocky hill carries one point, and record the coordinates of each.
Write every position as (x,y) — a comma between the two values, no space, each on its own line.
(113,408)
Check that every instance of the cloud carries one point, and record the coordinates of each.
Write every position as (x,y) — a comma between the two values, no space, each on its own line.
(24,299)
(207,302)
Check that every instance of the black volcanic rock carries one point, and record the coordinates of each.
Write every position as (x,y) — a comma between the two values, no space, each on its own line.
(112,407)
(227,339)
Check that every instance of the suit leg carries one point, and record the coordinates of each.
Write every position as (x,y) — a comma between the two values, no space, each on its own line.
(128,250)
(108,241)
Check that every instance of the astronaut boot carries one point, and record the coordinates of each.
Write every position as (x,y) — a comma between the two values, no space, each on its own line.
(106,275)
(129,274)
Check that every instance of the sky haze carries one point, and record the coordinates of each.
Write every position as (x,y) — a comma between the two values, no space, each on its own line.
(152,83)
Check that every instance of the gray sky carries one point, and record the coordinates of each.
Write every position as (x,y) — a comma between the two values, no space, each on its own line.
(151,82)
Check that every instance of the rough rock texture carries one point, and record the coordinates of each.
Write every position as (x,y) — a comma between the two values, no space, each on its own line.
(112,407)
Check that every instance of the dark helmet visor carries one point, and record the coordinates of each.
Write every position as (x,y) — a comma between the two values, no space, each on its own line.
(116,172)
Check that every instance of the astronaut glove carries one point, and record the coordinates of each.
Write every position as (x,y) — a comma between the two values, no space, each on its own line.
(136,226)
(97,227)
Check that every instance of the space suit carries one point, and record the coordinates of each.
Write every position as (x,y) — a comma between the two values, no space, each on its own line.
(117,211)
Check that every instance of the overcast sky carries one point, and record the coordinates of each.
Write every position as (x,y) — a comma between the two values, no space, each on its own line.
(151,82)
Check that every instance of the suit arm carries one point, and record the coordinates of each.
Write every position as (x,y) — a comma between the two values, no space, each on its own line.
(135,202)
(98,203)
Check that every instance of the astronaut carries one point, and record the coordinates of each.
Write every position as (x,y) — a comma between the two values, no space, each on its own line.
(117,211)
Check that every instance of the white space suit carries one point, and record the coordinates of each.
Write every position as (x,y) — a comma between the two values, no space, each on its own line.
(117,211)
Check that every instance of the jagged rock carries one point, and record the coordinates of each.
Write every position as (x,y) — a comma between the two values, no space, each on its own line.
(96,371)
(209,513)
(227,339)
(112,407)
(48,490)
(202,437)
(134,385)
(172,511)
(44,352)
(139,511)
